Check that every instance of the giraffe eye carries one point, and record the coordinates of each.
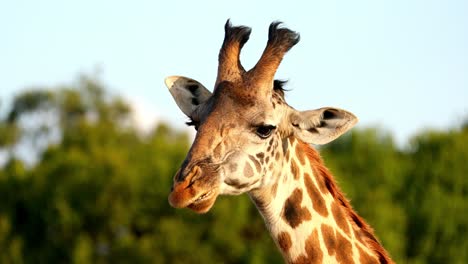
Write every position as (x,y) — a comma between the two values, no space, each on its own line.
(264,131)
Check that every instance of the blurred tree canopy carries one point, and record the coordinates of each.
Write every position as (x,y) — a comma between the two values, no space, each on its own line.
(80,184)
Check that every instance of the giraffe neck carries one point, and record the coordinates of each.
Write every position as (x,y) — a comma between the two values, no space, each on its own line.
(309,218)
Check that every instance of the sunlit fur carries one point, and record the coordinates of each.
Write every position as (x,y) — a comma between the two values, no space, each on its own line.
(249,140)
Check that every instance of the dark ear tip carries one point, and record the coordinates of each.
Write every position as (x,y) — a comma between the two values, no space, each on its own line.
(330,113)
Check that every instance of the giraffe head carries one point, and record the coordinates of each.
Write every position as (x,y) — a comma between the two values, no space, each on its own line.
(242,126)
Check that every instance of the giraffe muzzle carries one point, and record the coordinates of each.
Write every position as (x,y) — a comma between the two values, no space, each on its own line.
(195,191)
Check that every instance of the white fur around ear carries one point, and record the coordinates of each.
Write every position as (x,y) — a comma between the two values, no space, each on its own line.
(322,125)
(187,93)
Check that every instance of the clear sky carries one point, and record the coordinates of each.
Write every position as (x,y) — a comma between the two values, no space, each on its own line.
(400,64)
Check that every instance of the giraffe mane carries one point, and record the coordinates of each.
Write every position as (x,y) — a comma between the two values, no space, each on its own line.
(326,177)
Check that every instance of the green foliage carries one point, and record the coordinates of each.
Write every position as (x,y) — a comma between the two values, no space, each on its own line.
(437,189)
(8,134)
(98,191)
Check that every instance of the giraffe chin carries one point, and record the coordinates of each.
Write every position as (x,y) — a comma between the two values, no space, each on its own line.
(200,203)
(204,205)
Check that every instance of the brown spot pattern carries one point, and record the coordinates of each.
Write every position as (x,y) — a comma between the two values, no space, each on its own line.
(337,245)
(325,176)
(294,170)
(312,249)
(340,217)
(271,166)
(233,167)
(270,145)
(300,154)
(344,249)
(320,180)
(260,156)
(302,259)
(329,238)
(365,258)
(256,163)
(284,241)
(317,200)
(293,213)
(248,171)
(358,235)
(274,189)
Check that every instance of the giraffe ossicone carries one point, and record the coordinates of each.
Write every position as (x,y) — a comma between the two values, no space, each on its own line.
(249,140)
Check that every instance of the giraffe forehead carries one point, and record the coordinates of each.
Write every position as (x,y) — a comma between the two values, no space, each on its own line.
(241,94)
(224,108)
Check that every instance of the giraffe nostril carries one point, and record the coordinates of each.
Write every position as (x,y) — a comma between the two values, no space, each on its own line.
(188,174)
(193,174)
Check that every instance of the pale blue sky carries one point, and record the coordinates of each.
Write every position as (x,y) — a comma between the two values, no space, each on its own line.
(402,65)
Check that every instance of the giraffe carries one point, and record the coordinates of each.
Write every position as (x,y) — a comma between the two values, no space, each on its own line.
(249,140)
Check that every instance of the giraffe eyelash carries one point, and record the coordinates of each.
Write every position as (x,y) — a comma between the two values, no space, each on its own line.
(192,123)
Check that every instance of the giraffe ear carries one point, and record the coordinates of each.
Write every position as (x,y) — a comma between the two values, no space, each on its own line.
(187,93)
(322,125)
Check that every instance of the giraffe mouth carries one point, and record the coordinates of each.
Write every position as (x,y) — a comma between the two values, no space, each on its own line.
(195,192)
(204,202)
(203,197)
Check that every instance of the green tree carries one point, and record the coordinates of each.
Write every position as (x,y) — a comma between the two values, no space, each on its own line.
(436,190)
(97,192)
(80,184)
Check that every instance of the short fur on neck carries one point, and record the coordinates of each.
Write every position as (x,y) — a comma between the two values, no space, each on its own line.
(362,232)
(367,233)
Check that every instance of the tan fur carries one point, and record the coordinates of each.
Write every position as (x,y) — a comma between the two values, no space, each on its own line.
(324,176)
(251,141)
